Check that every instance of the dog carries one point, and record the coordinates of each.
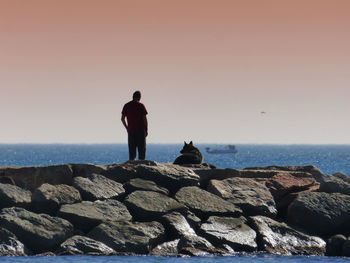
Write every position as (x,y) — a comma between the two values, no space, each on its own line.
(189,155)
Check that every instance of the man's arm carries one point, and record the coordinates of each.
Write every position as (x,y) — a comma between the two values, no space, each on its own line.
(124,121)
(145,122)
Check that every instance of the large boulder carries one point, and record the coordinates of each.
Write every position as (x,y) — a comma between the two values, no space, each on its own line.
(147,205)
(48,198)
(234,232)
(87,169)
(86,215)
(11,195)
(39,232)
(205,204)
(98,187)
(335,246)
(279,238)
(177,225)
(252,197)
(321,213)
(194,245)
(166,249)
(10,245)
(31,178)
(336,183)
(170,176)
(130,238)
(80,245)
(144,185)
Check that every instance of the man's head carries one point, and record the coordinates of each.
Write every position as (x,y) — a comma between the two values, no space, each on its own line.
(136,95)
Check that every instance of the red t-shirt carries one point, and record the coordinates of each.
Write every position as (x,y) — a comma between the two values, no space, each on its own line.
(134,112)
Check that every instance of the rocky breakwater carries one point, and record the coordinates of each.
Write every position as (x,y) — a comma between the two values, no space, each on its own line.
(150,208)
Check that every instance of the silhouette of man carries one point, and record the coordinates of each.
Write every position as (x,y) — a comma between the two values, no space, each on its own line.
(135,121)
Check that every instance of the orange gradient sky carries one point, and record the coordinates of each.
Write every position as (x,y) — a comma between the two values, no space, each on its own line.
(206,69)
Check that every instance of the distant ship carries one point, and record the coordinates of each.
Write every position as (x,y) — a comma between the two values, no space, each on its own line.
(228,149)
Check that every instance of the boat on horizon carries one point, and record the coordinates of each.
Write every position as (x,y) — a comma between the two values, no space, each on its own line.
(230,148)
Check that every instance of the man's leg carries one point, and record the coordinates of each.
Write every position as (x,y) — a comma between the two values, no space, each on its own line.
(141,144)
(132,145)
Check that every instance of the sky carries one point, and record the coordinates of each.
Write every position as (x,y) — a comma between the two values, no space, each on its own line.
(207,69)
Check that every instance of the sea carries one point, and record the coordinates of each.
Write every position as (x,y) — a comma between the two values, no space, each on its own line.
(328,158)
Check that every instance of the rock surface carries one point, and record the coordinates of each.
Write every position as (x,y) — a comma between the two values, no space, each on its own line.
(98,187)
(10,245)
(39,232)
(337,183)
(48,198)
(86,215)
(231,231)
(279,238)
(80,245)
(321,213)
(127,237)
(252,197)
(11,195)
(205,204)
(144,185)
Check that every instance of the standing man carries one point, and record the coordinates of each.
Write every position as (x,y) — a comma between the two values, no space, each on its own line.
(135,121)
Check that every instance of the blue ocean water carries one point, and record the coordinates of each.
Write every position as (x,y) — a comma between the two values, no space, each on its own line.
(329,158)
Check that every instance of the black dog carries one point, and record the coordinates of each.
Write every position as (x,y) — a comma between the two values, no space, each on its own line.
(189,155)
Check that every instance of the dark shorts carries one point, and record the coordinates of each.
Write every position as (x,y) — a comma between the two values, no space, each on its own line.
(137,140)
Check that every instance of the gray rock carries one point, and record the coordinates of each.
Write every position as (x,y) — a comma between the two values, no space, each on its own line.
(39,232)
(86,215)
(205,204)
(147,205)
(346,248)
(252,197)
(177,225)
(231,231)
(98,187)
(81,245)
(279,238)
(144,185)
(335,184)
(48,198)
(87,169)
(166,249)
(10,245)
(128,237)
(170,176)
(334,246)
(194,245)
(321,214)
(11,195)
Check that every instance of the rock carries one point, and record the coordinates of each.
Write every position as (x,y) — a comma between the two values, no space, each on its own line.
(310,169)
(321,214)
(346,248)
(205,204)
(231,231)
(334,246)
(128,237)
(279,238)
(81,245)
(86,215)
(98,187)
(177,225)
(252,197)
(30,178)
(147,205)
(169,176)
(206,175)
(48,198)
(11,195)
(144,185)
(166,249)
(335,184)
(10,245)
(285,186)
(39,232)
(194,245)
(123,173)
(85,170)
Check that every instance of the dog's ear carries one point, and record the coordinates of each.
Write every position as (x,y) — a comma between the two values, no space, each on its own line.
(185,143)
(191,143)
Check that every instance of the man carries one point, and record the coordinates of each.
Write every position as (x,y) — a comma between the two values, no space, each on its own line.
(135,121)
